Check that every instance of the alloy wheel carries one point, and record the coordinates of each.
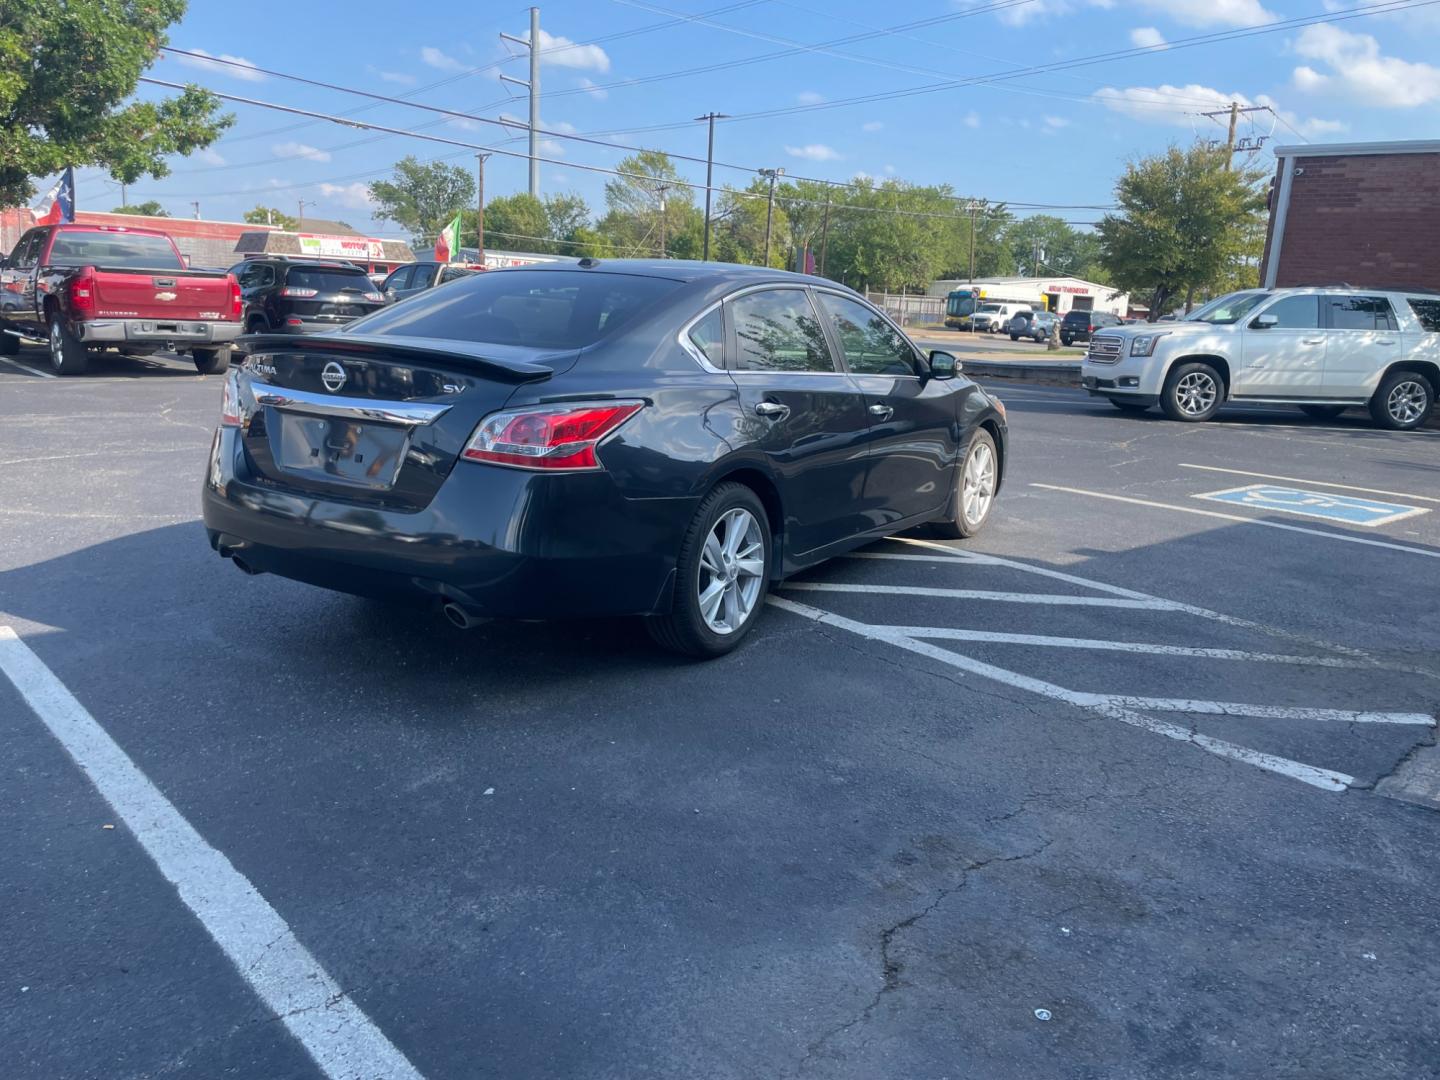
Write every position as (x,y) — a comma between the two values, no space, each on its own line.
(1196,393)
(57,345)
(732,571)
(977,483)
(1407,402)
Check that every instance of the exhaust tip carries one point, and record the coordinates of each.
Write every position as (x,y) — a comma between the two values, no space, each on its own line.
(460,617)
(244,566)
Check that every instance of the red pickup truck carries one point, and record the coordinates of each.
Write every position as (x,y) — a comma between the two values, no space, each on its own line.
(83,287)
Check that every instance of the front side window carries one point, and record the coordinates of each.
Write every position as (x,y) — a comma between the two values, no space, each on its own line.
(25,253)
(1360,313)
(1428,312)
(1295,313)
(708,335)
(870,344)
(777,330)
(1229,310)
(400,279)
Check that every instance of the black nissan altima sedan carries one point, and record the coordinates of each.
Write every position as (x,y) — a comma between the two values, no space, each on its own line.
(656,438)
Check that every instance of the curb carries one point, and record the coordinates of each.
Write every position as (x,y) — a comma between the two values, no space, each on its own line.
(1050,373)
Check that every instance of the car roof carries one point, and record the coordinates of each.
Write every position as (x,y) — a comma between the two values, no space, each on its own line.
(685,270)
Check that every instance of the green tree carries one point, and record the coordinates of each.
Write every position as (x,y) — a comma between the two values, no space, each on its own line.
(739,227)
(150,208)
(64,70)
(648,202)
(1062,248)
(565,216)
(512,223)
(423,196)
(1186,224)
(268,215)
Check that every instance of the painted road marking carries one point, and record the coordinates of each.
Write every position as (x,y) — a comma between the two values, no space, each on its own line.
(949,633)
(27,369)
(1325,779)
(1321,483)
(1346,509)
(981,594)
(342,1040)
(1242,520)
(1266,712)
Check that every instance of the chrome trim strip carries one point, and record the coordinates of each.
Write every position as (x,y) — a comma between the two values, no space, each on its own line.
(350,408)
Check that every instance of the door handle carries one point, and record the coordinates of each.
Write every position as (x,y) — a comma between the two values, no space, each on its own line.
(1312,341)
(884,412)
(1387,341)
(772,410)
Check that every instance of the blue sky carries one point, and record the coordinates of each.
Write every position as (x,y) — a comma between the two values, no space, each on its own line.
(1057,136)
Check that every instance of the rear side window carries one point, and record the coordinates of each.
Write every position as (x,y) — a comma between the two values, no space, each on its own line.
(1428,312)
(708,335)
(86,248)
(776,330)
(542,309)
(328,279)
(1360,313)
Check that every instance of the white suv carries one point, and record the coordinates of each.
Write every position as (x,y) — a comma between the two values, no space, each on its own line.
(1323,349)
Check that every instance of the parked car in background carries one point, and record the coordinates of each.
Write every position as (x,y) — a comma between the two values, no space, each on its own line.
(1032,324)
(655,438)
(283,295)
(84,287)
(1321,349)
(406,281)
(993,318)
(1079,325)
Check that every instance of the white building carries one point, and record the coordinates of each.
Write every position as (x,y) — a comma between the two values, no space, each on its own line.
(1057,294)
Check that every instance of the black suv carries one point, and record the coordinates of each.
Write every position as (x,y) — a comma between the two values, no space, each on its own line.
(303,296)
(1079,325)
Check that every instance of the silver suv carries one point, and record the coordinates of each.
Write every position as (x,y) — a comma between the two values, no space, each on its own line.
(1321,349)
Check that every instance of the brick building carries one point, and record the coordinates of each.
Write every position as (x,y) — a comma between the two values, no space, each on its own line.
(1365,214)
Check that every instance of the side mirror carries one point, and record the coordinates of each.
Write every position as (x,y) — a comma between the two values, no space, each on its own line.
(943,365)
(1264,322)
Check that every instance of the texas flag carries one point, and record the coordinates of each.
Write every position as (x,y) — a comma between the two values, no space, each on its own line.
(447,244)
(62,201)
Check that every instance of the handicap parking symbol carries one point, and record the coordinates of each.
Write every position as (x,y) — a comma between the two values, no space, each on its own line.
(1343,509)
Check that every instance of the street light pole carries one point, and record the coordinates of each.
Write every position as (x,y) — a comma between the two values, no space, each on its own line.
(972,208)
(710,118)
(824,232)
(773,174)
(663,189)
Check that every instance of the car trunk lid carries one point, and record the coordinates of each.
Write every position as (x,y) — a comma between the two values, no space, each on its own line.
(377,421)
(160,294)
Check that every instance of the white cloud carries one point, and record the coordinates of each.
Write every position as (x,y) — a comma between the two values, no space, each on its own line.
(1055,123)
(597,92)
(354,196)
(972,119)
(299,150)
(1360,72)
(1035,10)
(551,148)
(463,123)
(437,59)
(872,125)
(1213,12)
(1166,104)
(809,97)
(244,70)
(211,157)
(1147,37)
(398,77)
(890,170)
(562,52)
(813,152)
(275,183)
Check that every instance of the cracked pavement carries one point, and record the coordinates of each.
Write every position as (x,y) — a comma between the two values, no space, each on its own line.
(821,857)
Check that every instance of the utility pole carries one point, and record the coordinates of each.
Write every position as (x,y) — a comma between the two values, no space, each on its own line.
(1233,112)
(534,87)
(972,208)
(196,205)
(824,232)
(480,207)
(300,221)
(710,118)
(663,189)
(773,174)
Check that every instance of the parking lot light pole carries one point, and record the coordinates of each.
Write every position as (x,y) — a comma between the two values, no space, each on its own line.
(710,118)
(773,174)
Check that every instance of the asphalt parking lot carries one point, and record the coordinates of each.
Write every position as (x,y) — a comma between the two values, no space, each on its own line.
(1114,790)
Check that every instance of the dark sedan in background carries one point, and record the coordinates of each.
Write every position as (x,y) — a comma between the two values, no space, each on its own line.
(664,439)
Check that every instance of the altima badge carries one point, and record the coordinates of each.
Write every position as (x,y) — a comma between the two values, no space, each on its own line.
(333,376)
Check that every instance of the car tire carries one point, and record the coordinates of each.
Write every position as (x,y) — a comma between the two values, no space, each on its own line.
(1323,412)
(1128,406)
(1064,341)
(702,624)
(9,344)
(1404,400)
(211,361)
(1014,337)
(1192,392)
(67,352)
(976,480)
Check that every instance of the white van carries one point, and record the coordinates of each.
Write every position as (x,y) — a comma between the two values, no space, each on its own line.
(994,317)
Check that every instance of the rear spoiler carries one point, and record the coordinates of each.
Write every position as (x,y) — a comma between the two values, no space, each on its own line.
(428,350)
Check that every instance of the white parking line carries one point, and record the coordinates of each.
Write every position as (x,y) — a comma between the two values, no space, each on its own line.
(1265,712)
(27,369)
(1317,483)
(1055,599)
(337,1034)
(947,633)
(1242,520)
(1325,779)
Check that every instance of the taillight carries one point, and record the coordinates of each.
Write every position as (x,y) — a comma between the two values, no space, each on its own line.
(235,306)
(375,297)
(230,402)
(1091,329)
(548,436)
(82,291)
(296,290)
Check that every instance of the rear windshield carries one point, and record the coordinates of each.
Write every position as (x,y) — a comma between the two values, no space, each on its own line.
(114,249)
(545,309)
(328,279)
(1077,316)
(1428,312)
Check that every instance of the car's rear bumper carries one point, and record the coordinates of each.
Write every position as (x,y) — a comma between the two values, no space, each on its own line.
(501,542)
(157,331)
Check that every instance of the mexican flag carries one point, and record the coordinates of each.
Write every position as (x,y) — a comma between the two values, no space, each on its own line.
(447,244)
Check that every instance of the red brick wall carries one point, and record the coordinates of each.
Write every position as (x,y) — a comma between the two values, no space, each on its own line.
(1369,220)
